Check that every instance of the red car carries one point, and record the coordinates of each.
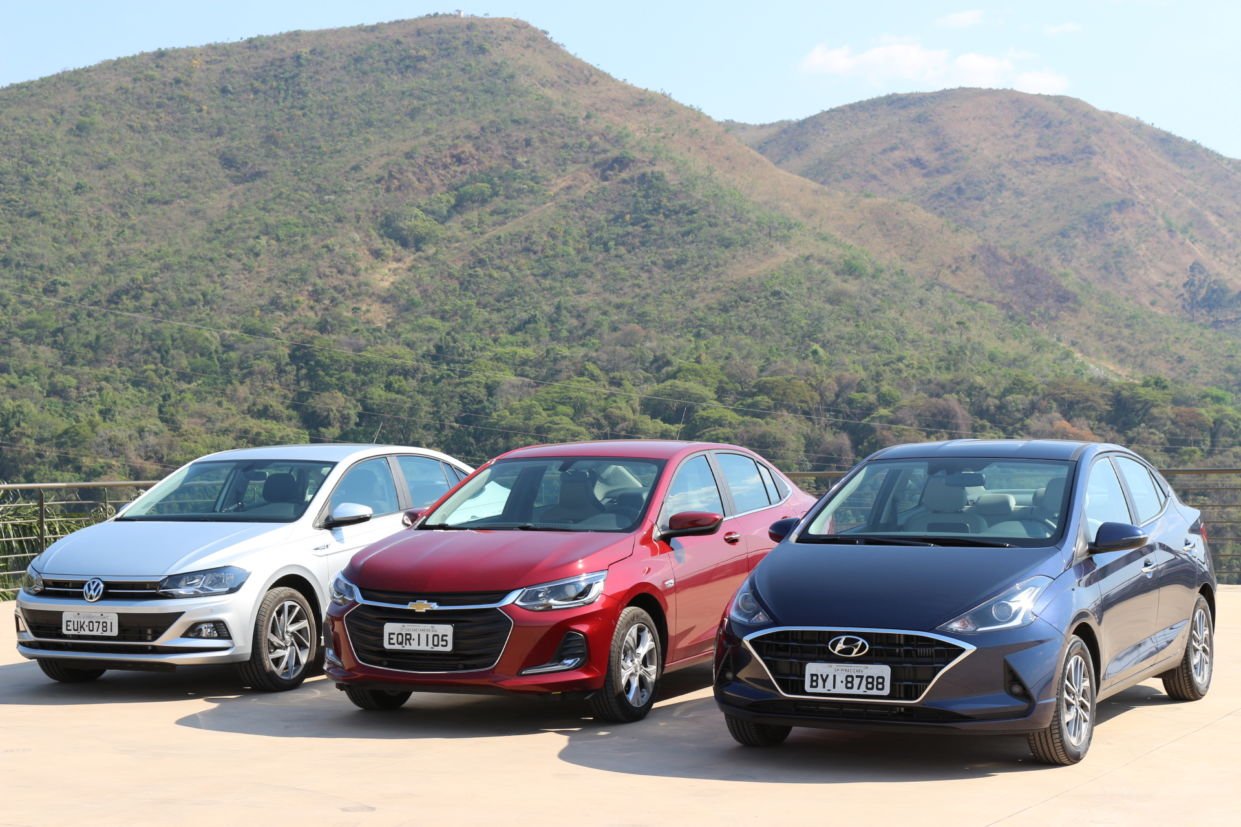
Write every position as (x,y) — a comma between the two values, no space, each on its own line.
(588,568)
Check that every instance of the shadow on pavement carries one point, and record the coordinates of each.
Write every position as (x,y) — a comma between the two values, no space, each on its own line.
(24,684)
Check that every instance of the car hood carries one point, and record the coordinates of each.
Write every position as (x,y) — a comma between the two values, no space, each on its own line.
(889,587)
(474,561)
(150,549)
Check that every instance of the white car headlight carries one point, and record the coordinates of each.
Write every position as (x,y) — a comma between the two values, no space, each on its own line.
(746,609)
(563,594)
(32,581)
(1007,610)
(224,580)
(343,592)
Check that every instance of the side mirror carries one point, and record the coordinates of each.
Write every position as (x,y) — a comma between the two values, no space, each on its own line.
(782,528)
(412,516)
(348,514)
(691,524)
(1117,537)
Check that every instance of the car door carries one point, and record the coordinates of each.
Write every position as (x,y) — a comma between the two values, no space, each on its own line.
(752,504)
(1128,591)
(371,483)
(706,569)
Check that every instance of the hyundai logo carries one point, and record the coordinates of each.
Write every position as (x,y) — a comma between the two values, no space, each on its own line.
(92,589)
(848,646)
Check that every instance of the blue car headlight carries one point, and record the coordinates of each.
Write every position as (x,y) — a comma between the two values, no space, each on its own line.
(1010,609)
(745,608)
(224,580)
(343,592)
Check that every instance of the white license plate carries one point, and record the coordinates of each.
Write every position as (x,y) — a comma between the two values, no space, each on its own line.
(848,679)
(418,637)
(98,624)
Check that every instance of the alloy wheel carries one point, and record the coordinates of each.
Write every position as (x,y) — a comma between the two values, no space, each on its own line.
(639,666)
(1200,647)
(1078,700)
(288,640)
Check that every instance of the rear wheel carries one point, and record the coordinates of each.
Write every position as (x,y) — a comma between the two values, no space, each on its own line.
(58,670)
(634,664)
(376,699)
(751,734)
(286,642)
(1067,738)
(1192,678)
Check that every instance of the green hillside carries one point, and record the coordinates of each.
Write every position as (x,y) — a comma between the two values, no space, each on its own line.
(450,232)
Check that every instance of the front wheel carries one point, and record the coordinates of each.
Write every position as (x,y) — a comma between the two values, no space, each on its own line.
(1067,738)
(634,664)
(63,672)
(751,734)
(376,699)
(286,642)
(1190,680)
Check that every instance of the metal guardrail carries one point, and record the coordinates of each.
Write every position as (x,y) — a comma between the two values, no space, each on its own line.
(34,515)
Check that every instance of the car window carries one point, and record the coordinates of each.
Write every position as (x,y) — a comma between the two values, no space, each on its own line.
(743,480)
(1146,496)
(368,483)
(692,489)
(251,490)
(1105,500)
(769,482)
(424,477)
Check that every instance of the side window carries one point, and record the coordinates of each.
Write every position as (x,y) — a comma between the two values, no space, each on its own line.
(368,483)
(769,482)
(425,479)
(1146,497)
(1105,500)
(908,492)
(455,474)
(692,489)
(743,480)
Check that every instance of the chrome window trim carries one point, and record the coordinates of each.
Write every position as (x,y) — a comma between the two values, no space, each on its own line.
(499,656)
(968,649)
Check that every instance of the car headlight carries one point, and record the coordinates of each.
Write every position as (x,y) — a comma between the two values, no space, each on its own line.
(563,594)
(224,580)
(32,581)
(1007,610)
(343,592)
(746,609)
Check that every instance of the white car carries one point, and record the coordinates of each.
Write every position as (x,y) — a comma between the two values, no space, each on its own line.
(227,560)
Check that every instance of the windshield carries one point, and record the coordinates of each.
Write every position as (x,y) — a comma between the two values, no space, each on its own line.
(1000,502)
(239,491)
(557,494)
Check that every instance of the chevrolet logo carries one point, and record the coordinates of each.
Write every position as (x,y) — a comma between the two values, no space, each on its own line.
(423,606)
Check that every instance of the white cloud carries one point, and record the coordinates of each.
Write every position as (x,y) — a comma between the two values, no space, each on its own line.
(1062,28)
(960,20)
(914,66)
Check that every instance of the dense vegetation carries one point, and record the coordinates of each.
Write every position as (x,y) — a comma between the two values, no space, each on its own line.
(449,232)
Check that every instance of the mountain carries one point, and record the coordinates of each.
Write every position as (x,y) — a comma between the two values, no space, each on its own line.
(449,231)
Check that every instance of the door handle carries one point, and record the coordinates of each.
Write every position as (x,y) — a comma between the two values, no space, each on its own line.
(1148,566)
(1190,545)
(732,538)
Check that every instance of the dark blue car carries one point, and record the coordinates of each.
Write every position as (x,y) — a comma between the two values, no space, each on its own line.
(978,586)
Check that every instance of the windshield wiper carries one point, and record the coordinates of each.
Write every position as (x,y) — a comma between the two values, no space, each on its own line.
(863,540)
(442,526)
(971,541)
(533,527)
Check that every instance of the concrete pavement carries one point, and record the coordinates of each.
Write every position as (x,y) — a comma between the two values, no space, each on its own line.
(194,748)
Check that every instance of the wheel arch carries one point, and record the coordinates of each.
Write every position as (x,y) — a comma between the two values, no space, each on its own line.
(1208,594)
(654,607)
(1084,630)
(301,584)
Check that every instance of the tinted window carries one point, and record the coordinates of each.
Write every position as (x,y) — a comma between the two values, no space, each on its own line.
(368,483)
(1105,500)
(693,489)
(741,475)
(425,479)
(1146,497)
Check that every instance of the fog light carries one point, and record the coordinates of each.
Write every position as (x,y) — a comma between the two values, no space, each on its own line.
(209,630)
(20,621)
(329,650)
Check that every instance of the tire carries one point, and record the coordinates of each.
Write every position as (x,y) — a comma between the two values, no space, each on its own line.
(751,734)
(58,670)
(285,643)
(376,699)
(1190,680)
(1067,738)
(635,662)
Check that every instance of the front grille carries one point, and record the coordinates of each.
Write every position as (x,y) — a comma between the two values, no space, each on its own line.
(478,638)
(862,712)
(132,628)
(440,599)
(915,660)
(112,589)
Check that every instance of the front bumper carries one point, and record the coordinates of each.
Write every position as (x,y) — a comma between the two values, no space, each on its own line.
(151,631)
(529,658)
(999,682)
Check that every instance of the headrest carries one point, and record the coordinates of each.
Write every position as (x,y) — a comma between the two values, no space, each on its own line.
(996,505)
(943,498)
(1053,495)
(280,488)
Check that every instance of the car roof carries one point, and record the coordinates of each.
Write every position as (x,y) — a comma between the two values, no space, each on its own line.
(1054,449)
(621,448)
(328,452)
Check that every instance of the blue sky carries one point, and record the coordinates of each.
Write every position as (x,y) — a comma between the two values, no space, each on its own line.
(1172,64)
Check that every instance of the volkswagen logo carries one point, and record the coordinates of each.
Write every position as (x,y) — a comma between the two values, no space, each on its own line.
(92,589)
(848,646)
